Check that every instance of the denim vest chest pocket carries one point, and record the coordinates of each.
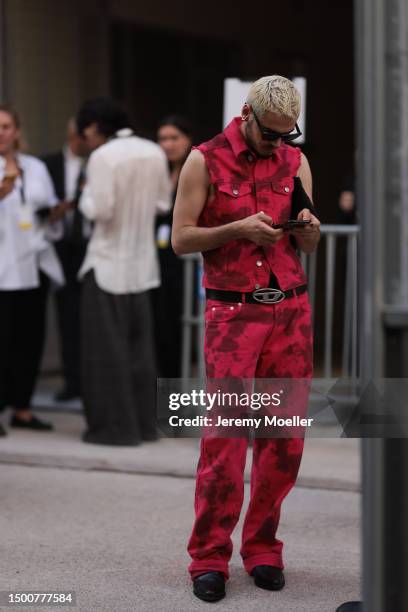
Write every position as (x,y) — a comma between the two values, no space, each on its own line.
(234,201)
(282,196)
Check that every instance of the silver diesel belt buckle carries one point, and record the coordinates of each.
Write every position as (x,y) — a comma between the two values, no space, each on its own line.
(266,295)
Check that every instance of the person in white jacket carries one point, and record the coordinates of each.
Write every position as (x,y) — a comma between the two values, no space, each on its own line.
(27,264)
(127,184)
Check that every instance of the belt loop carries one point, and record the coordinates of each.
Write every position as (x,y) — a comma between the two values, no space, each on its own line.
(243,298)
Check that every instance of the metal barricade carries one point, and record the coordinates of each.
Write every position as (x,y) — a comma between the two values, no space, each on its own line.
(330,235)
(193,317)
(194,302)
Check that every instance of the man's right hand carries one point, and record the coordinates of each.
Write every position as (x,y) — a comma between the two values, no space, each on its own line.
(257,228)
(59,211)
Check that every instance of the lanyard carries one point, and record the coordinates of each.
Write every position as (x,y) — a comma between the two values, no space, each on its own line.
(22,187)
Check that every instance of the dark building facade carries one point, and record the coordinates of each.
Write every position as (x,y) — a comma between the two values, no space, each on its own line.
(160,58)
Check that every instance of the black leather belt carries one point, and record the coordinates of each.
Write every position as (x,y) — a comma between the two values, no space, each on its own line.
(264,295)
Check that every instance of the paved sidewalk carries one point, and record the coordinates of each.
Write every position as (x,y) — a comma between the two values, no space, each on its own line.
(119,540)
(329,463)
(112,524)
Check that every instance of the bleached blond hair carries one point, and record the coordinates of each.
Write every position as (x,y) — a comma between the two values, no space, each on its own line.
(275,94)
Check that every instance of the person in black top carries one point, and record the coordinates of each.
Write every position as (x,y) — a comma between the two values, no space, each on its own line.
(66,168)
(175,136)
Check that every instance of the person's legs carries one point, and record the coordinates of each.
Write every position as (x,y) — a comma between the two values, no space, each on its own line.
(6,338)
(67,301)
(287,353)
(171,327)
(274,469)
(68,309)
(218,501)
(106,383)
(29,318)
(234,335)
(167,303)
(143,368)
(27,322)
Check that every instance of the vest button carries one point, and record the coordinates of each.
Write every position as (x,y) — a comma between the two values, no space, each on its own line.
(235,192)
(259,263)
(257,286)
(250,158)
(286,189)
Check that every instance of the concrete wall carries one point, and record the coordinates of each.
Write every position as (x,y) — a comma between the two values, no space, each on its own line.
(56,54)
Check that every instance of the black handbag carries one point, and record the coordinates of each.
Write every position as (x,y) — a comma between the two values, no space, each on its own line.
(300,200)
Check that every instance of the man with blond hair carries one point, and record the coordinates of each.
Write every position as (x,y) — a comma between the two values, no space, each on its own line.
(233,192)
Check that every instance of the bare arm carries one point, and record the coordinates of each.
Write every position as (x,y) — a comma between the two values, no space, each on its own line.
(308,237)
(192,195)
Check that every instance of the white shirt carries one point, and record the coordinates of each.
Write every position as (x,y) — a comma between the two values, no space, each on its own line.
(25,246)
(127,185)
(73,165)
(72,169)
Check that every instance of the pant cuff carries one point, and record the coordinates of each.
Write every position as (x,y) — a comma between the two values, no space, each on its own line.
(197,568)
(274,559)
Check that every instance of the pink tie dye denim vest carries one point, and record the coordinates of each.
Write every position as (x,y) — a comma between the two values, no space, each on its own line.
(244,185)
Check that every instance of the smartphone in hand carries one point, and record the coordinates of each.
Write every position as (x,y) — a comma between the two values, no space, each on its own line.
(291,224)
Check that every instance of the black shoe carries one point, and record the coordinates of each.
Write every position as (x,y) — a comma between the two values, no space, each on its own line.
(351,606)
(33,423)
(268,577)
(3,432)
(209,586)
(66,394)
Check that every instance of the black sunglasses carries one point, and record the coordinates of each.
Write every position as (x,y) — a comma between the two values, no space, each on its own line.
(270,135)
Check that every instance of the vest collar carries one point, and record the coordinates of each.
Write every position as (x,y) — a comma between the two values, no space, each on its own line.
(238,143)
(235,138)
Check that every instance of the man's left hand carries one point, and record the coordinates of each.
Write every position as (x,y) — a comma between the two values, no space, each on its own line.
(308,236)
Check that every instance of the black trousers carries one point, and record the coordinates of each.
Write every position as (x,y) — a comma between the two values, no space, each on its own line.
(118,379)
(167,302)
(67,300)
(22,334)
